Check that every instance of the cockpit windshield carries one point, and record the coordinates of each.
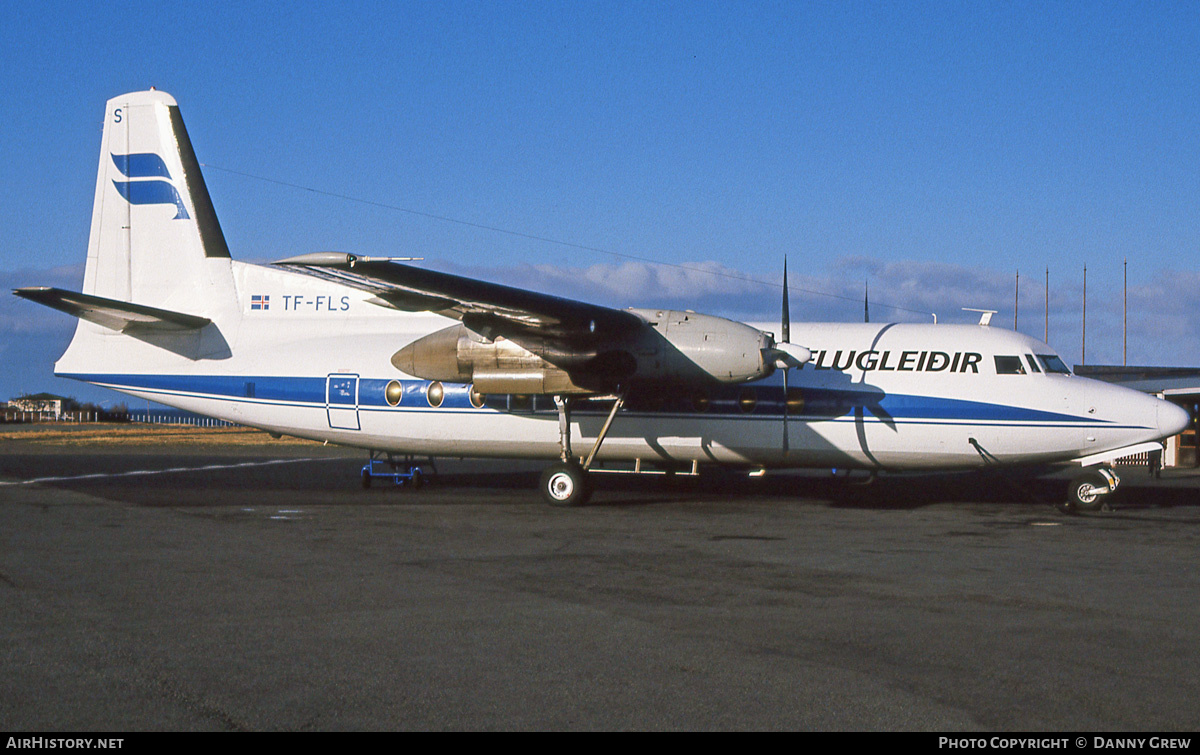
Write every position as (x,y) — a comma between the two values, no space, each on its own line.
(1053,364)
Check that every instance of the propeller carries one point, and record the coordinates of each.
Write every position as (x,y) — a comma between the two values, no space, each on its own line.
(787,355)
(785,330)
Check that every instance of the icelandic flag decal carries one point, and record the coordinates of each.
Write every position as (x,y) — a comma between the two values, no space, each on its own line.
(260,302)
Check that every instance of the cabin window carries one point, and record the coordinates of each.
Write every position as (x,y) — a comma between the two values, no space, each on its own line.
(1009,366)
(794,400)
(747,400)
(520,402)
(435,393)
(393,393)
(1033,365)
(1053,364)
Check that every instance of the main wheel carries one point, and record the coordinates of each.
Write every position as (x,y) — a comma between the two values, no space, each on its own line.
(366,478)
(1087,491)
(566,484)
(417,479)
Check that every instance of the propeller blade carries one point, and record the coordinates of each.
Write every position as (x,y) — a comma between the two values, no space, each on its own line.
(785,329)
(785,410)
(785,353)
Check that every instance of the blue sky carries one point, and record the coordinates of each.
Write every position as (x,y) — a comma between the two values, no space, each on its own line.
(930,149)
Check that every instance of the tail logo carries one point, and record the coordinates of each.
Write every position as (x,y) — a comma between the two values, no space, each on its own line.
(149,169)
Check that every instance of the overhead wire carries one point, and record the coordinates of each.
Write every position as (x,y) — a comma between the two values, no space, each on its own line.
(542,239)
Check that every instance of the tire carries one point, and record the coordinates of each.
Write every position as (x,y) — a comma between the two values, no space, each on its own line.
(566,484)
(1082,494)
(366,479)
(417,480)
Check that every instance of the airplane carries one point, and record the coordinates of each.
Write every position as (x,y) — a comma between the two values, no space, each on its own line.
(370,352)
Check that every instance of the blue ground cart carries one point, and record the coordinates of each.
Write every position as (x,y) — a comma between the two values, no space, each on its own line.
(402,470)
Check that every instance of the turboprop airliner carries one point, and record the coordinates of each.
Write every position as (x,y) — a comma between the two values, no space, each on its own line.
(403,361)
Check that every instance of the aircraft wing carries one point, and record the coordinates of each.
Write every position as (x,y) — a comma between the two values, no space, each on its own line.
(118,315)
(482,306)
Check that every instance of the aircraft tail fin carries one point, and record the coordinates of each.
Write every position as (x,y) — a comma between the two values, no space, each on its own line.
(155,239)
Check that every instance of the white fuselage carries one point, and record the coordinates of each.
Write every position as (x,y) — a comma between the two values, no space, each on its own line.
(301,356)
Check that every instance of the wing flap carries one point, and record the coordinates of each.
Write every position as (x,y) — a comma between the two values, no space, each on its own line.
(122,316)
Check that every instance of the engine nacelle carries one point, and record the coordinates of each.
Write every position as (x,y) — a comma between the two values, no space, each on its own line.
(691,347)
(671,347)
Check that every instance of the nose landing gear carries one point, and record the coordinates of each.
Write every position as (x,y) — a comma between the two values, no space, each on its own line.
(1090,490)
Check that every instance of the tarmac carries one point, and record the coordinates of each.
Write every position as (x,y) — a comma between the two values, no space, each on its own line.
(176,585)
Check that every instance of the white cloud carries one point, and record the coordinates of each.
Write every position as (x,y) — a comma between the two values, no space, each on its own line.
(1164,314)
(1164,319)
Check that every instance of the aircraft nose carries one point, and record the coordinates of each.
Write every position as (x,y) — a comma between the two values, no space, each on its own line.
(1172,419)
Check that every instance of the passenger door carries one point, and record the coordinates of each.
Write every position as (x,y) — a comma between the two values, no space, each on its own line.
(341,401)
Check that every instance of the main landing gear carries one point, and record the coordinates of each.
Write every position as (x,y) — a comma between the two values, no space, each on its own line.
(1090,490)
(567,482)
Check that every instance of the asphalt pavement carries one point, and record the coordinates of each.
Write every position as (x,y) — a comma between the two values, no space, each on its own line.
(170,586)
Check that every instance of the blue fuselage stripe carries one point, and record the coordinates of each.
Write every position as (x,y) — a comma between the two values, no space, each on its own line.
(819,404)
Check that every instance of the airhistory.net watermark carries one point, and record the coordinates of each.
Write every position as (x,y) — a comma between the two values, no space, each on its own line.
(62,743)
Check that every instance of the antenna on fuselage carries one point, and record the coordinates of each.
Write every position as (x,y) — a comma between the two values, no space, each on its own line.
(985,315)
(1016,299)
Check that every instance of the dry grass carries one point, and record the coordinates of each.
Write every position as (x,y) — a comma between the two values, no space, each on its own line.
(138,434)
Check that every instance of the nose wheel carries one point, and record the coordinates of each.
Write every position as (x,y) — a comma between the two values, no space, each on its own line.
(1090,490)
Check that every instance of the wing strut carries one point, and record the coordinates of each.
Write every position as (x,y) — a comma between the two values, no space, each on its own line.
(564,429)
(587,463)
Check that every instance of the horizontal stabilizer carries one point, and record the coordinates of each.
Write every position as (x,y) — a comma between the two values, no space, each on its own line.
(122,316)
